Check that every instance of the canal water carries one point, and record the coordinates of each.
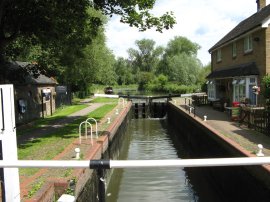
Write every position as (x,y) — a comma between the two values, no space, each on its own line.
(152,139)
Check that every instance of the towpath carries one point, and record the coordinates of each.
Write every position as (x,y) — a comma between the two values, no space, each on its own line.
(246,137)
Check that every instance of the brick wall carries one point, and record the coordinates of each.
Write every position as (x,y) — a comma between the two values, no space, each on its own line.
(32,96)
(258,55)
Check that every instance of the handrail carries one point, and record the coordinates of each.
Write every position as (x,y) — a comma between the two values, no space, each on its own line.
(105,164)
(96,126)
(123,101)
(84,122)
(190,106)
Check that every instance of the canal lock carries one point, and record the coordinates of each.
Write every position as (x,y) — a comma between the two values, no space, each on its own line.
(149,108)
(250,187)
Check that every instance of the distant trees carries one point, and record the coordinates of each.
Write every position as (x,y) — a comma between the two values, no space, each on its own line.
(180,63)
(165,68)
(146,57)
(123,72)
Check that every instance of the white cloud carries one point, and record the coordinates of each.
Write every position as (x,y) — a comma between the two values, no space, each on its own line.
(202,21)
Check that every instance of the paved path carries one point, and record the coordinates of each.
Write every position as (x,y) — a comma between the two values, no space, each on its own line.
(241,134)
(48,129)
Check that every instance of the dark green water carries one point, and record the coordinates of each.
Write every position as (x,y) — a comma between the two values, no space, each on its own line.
(150,139)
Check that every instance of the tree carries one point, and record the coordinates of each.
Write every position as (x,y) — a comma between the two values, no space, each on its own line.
(146,57)
(180,45)
(180,62)
(136,13)
(94,65)
(123,71)
(56,25)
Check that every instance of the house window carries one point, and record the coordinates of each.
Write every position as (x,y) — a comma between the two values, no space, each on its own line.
(248,44)
(239,89)
(251,95)
(211,90)
(234,49)
(218,55)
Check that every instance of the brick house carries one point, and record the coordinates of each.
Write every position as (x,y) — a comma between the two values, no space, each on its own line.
(34,97)
(240,59)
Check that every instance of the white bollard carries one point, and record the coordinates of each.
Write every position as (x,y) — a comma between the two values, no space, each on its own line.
(204,118)
(77,151)
(66,198)
(116,111)
(108,120)
(260,153)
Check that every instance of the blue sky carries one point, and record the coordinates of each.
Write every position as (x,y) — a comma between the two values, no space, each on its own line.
(201,21)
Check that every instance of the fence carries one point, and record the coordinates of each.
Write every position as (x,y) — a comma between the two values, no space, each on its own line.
(258,119)
(261,121)
(200,99)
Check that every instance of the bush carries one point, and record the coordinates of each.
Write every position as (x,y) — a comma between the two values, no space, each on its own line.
(173,88)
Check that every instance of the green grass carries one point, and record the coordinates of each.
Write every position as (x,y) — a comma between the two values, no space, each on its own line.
(47,147)
(104,99)
(59,114)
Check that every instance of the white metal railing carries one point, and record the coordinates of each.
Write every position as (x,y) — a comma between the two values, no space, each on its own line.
(101,164)
(87,120)
(189,106)
(80,130)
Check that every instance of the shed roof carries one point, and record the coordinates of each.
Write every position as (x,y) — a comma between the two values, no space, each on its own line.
(30,78)
(245,26)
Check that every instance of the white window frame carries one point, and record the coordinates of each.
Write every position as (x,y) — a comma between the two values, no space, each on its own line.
(248,43)
(234,50)
(239,89)
(211,90)
(219,55)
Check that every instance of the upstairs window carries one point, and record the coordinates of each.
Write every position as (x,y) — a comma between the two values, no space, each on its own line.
(218,55)
(234,49)
(248,44)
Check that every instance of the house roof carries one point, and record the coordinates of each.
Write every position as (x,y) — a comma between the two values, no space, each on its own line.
(254,21)
(247,69)
(30,78)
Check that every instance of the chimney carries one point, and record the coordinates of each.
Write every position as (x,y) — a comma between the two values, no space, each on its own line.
(260,4)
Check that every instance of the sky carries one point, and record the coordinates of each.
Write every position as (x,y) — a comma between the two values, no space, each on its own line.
(204,22)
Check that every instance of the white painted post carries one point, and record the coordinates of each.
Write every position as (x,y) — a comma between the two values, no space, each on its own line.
(108,120)
(77,151)
(260,153)
(204,118)
(9,142)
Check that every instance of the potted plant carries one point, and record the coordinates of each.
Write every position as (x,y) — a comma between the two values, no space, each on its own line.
(266,91)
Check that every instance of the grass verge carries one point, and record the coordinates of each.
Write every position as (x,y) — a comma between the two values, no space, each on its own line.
(50,145)
(59,114)
(104,100)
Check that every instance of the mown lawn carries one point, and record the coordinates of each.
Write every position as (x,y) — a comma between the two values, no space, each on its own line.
(50,145)
(104,100)
(59,114)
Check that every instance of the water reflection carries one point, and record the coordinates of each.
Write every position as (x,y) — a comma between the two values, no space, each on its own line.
(149,139)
